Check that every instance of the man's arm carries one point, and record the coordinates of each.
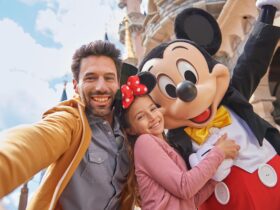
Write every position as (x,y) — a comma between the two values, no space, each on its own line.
(25,150)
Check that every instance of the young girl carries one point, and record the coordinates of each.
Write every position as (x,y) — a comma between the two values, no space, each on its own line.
(163,179)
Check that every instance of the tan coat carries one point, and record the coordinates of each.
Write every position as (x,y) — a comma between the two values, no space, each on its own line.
(61,139)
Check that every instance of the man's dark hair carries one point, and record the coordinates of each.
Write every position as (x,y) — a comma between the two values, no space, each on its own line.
(96,48)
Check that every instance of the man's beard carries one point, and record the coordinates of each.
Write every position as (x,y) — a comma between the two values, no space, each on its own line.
(98,111)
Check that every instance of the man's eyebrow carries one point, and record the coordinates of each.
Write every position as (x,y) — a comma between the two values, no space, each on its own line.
(179,47)
(89,73)
(110,74)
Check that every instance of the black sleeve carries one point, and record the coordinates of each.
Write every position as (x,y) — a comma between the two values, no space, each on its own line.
(180,141)
(273,137)
(255,58)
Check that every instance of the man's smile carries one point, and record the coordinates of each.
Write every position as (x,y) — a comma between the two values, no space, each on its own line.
(101,100)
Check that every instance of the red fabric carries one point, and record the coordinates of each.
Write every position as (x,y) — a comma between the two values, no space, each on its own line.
(130,89)
(247,191)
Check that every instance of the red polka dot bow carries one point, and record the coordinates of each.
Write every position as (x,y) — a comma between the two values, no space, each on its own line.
(130,89)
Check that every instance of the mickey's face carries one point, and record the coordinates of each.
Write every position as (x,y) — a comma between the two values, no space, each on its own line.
(187,90)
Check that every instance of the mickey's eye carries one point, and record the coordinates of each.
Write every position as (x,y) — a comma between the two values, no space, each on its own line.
(187,71)
(167,86)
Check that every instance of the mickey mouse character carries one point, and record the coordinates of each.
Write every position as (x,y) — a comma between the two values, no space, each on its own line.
(202,102)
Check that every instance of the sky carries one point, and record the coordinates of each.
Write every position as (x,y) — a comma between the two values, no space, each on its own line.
(37,41)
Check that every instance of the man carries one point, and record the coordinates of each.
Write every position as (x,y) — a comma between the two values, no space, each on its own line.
(80,140)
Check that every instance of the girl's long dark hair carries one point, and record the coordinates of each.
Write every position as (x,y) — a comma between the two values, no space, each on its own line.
(132,186)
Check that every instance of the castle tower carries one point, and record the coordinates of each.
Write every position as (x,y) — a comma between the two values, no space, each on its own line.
(23,197)
(64,94)
(130,54)
(134,23)
(106,38)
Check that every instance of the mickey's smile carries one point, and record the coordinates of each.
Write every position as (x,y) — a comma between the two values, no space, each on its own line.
(203,117)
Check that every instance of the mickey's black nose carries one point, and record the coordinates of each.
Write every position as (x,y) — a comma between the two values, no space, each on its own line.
(186,91)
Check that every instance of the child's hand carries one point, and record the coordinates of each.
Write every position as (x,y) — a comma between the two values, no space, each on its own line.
(228,146)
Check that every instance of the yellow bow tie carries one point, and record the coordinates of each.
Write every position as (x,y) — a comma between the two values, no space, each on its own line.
(221,119)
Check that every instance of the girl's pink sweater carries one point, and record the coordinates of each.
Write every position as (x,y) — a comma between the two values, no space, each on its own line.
(164,181)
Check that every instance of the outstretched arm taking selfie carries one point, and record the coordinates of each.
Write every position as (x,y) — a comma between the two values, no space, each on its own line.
(27,149)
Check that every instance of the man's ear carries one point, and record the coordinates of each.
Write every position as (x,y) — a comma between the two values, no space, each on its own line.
(75,85)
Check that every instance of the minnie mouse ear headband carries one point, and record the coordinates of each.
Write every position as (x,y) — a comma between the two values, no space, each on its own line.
(133,84)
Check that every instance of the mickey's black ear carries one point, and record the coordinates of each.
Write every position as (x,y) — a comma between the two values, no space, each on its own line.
(200,27)
(127,70)
(147,79)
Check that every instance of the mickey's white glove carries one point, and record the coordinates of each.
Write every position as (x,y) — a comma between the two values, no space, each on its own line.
(195,158)
(275,3)
(222,171)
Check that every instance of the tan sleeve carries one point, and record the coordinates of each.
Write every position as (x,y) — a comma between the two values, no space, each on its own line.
(25,150)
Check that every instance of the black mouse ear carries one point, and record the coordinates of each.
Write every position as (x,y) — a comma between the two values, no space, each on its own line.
(127,70)
(200,27)
(147,79)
